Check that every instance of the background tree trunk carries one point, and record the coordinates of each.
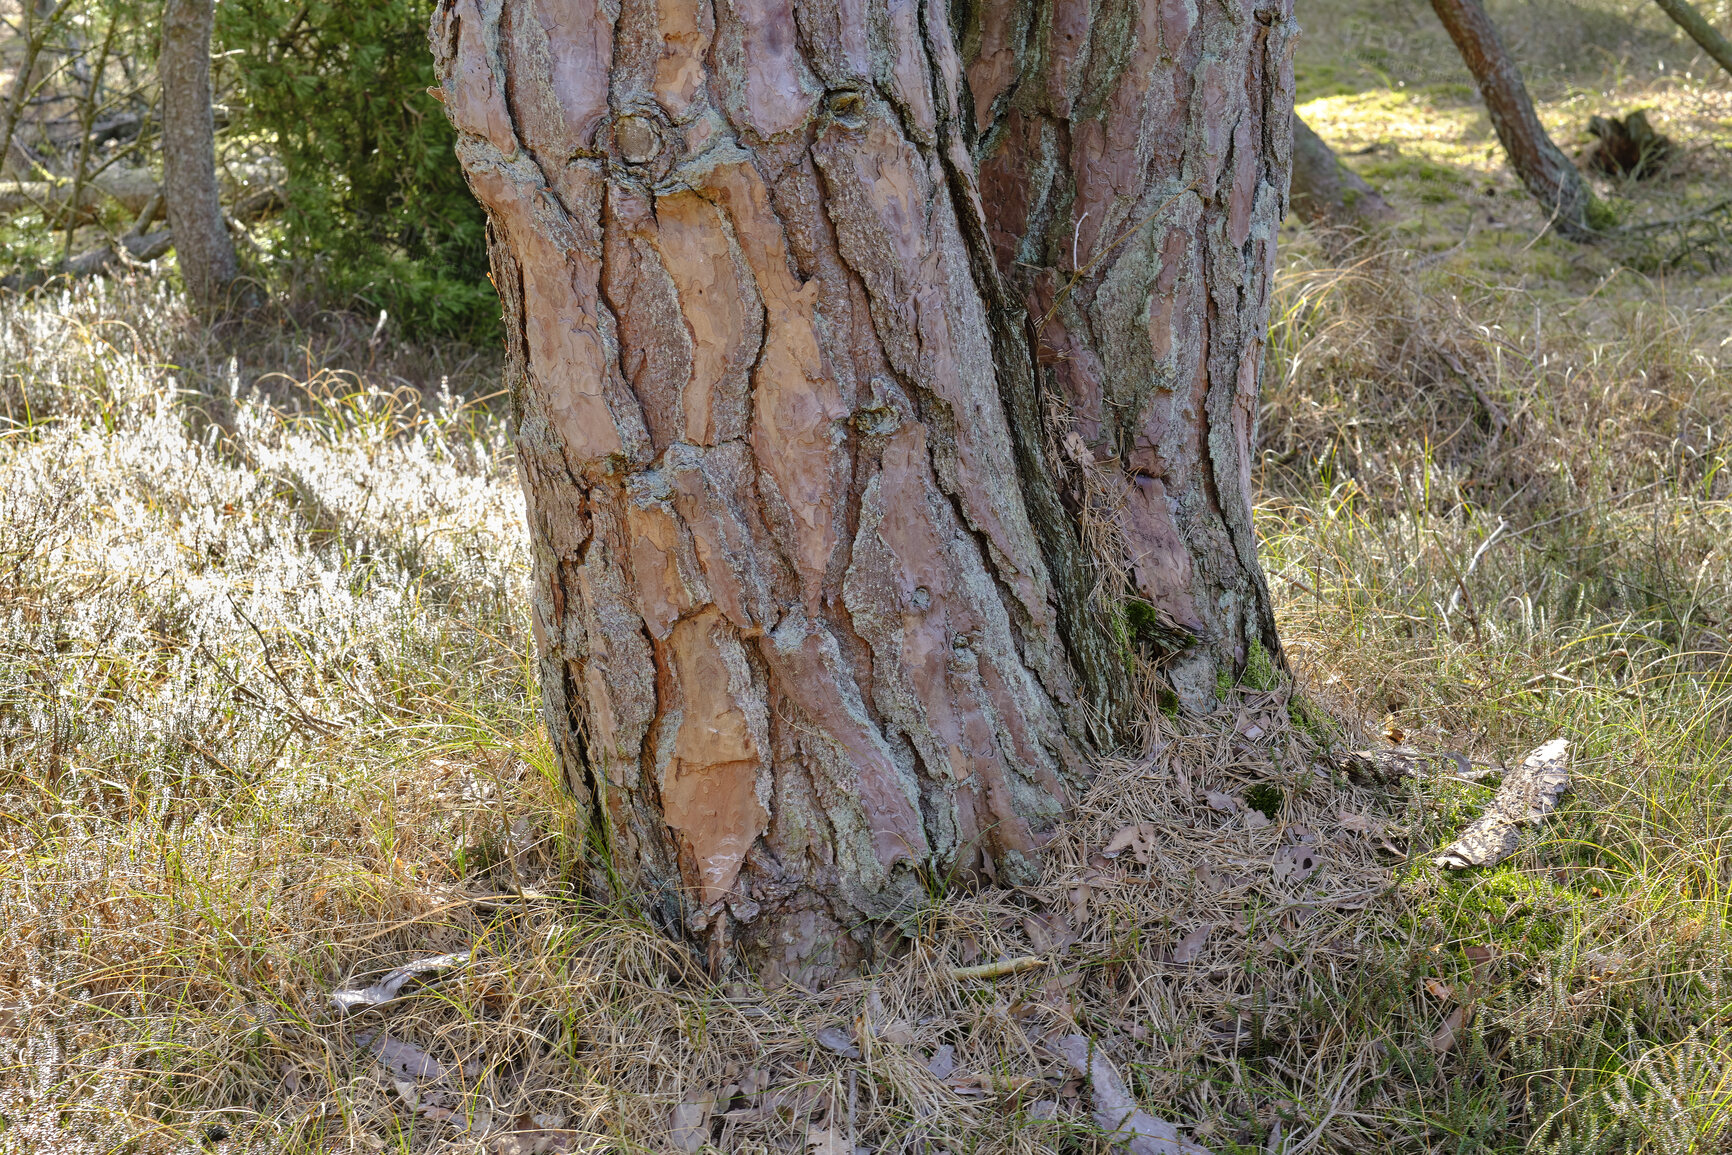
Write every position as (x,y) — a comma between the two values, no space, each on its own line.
(886,375)
(1324,189)
(1685,15)
(1543,168)
(203,248)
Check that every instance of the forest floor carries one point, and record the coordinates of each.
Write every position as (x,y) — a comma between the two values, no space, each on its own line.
(270,729)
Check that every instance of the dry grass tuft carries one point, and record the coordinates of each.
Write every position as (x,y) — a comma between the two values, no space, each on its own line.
(1497,513)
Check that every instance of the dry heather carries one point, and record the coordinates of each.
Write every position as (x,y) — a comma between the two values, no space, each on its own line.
(269,730)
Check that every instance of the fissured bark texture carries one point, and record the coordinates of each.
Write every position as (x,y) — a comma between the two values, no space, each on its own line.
(839,480)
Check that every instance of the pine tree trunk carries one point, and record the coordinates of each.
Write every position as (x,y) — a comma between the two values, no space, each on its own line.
(1684,14)
(1545,171)
(202,245)
(886,380)
(1325,190)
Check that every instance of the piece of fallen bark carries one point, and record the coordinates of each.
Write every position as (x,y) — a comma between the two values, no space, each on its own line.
(1115,1112)
(388,988)
(1528,794)
(1400,762)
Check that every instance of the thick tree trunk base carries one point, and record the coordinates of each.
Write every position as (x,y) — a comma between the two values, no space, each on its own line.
(867,368)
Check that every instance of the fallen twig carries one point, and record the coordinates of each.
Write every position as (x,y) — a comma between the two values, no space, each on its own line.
(997,970)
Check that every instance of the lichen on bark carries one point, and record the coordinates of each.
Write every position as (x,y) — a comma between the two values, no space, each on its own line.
(800,297)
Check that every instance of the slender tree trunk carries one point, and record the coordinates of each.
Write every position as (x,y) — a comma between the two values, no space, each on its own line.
(201,240)
(1685,15)
(886,376)
(1324,189)
(1543,168)
(35,30)
(87,109)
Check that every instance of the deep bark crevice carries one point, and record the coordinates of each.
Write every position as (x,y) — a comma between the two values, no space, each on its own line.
(1015,352)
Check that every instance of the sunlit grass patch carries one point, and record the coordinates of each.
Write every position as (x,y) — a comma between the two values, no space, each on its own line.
(1491,523)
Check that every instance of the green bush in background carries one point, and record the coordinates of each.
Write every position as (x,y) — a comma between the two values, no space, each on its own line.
(378,209)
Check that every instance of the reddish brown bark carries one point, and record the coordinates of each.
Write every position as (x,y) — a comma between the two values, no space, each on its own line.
(1544,169)
(793,335)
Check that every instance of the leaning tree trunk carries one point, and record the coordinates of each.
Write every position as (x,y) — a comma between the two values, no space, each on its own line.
(885,377)
(1684,14)
(1548,174)
(203,249)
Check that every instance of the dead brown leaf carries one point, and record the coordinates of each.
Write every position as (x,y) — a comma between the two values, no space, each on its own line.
(1445,1038)
(1140,839)
(1048,932)
(405,1060)
(829,1140)
(689,1125)
(899,1033)
(968,949)
(840,1041)
(1081,892)
(1206,878)
(533,1135)
(1360,823)
(1295,862)
(1188,948)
